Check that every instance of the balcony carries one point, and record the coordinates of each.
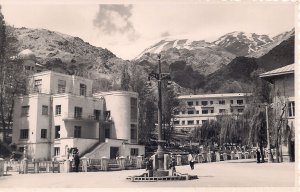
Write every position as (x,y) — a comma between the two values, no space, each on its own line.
(80,117)
(237,105)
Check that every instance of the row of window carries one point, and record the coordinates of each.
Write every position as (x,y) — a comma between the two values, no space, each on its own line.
(24,133)
(221,102)
(61,87)
(77,111)
(206,111)
(190,122)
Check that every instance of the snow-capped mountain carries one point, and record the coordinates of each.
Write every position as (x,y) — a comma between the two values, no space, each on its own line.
(166,44)
(242,44)
(276,40)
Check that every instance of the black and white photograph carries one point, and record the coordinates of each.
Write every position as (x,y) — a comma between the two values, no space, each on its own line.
(148,95)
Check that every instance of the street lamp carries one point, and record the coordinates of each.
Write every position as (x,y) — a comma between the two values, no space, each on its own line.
(268,134)
(160,142)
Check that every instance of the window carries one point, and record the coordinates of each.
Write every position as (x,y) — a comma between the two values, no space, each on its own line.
(57,132)
(222,102)
(222,110)
(44,110)
(58,110)
(197,103)
(176,112)
(212,111)
(38,86)
(197,121)
(25,111)
(211,102)
(183,122)
(231,101)
(291,108)
(133,109)
(176,122)
(61,86)
(190,112)
(77,112)
(82,90)
(240,102)
(190,122)
(56,151)
(77,131)
(107,133)
(182,112)
(44,133)
(134,151)
(205,111)
(24,133)
(240,110)
(107,115)
(231,110)
(133,132)
(27,68)
(97,114)
(204,103)
(197,112)
(190,103)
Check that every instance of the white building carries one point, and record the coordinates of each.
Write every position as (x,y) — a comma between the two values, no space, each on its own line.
(198,109)
(61,113)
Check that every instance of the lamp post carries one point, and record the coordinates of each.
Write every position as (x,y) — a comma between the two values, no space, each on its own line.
(160,142)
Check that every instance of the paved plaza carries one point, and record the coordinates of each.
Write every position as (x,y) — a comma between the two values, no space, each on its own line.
(237,173)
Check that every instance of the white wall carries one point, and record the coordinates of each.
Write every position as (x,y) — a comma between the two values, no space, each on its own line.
(118,103)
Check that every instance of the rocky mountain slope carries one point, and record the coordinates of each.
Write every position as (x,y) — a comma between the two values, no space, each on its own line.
(67,54)
(242,44)
(237,74)
(193,64)
(207,57)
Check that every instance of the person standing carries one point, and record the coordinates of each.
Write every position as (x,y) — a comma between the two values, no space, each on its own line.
(191,161)
(76,161)
(149,167)
(258,155)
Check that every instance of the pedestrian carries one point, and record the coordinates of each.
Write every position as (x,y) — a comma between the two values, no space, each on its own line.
(172,165)
(149,167)
(76,161)
(191,161)
(258,155)
(13,157)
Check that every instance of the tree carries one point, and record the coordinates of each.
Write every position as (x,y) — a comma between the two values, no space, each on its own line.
(147,107)
(169,104)
(125,79)
(207,134)
(12,78)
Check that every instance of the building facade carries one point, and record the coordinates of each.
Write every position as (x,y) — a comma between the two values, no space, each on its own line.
(283,82)
(195,110)
(61,112)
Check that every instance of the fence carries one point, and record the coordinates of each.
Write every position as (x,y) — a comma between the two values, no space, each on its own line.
(105,164)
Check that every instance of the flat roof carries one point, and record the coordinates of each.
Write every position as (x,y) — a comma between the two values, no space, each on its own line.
(288,69)
(57,73)
(222,95)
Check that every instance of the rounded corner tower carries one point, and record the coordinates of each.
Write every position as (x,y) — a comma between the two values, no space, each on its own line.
(121,109)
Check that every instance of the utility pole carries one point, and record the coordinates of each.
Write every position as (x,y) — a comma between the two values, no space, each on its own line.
(268,136)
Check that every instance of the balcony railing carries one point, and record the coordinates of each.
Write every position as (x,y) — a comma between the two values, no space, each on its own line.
(80,117)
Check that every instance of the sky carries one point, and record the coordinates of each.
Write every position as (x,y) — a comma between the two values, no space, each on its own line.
(127,29)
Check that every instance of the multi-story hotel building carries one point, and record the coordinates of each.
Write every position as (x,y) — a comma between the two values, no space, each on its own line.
(60,112)
(195,110)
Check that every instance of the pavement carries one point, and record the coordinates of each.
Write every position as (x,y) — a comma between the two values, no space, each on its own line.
(216,175)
